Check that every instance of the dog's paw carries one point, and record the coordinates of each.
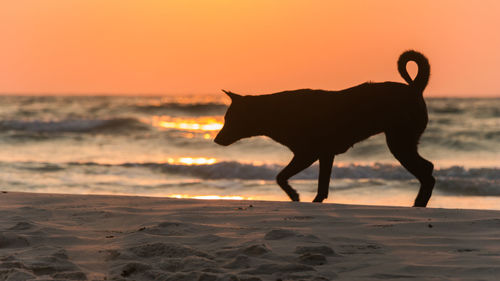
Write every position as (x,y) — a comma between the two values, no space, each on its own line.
(294,197)
(420,203)
(318,199)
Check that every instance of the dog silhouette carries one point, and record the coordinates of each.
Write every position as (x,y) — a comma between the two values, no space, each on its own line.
(318,124)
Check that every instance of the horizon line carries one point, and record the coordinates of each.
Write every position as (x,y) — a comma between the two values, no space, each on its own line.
(104,94)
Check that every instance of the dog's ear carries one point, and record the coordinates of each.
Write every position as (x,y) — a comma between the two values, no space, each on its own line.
(232,95)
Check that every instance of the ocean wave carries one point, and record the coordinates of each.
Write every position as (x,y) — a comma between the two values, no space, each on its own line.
(476,108)
(73,126)
(247,171)
(236,170)
(190,108)
(445,110)
(454,180)
(470,187)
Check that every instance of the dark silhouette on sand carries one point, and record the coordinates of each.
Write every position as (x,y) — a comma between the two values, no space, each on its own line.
(318,124)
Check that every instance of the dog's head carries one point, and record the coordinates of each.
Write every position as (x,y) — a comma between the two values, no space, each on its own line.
(237,121)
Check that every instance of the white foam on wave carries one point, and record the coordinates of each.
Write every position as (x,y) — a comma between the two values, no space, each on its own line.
(454,180)
(229,175)
(82,125)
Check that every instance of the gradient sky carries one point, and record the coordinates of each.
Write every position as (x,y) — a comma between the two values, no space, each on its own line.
(248,46)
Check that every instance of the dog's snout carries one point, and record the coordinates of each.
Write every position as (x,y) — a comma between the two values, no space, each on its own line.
(219,140)
(223,138)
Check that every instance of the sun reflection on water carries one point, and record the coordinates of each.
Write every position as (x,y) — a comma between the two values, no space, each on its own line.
(195,124)
(192,161)
(209,197)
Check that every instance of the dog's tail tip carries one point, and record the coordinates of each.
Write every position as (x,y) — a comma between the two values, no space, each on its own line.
(422,78)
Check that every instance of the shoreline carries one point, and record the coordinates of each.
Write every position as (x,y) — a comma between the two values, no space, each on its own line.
(98,237)
(438,200)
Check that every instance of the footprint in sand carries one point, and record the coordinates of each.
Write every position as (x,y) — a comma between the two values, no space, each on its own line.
(56,265)
(313,259)
(240,262)
(194,263)
(267,269)
(324,250)
(16,274)
(173,228)
(253,250)
(168,250)
(23,225)
(131,268)
(9,240)
(277,234)
(75,275)
(256,250)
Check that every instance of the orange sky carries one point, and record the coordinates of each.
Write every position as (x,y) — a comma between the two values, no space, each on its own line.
(248,46)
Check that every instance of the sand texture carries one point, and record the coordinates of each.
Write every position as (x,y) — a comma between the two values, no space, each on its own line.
(75,237)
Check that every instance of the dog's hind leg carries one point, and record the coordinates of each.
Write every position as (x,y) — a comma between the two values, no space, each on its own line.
(404,148)
(297,164)
(325,171)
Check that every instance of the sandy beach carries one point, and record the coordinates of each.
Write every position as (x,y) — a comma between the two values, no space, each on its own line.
(88,237)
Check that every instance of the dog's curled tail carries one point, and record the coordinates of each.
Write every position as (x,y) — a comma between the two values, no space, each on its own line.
(424,69)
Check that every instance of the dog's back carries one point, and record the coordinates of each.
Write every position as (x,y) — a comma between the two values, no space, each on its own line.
(336,120)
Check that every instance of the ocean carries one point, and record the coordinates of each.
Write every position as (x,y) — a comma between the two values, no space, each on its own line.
(163,146)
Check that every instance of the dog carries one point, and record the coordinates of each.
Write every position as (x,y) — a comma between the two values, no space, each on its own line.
(319,124)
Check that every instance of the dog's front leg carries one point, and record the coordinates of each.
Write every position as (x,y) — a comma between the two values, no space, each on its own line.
(325,171)
(298,163)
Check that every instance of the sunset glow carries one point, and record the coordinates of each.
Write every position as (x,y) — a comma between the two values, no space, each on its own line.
(263,46)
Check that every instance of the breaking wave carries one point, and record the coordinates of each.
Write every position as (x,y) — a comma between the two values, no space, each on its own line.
(236,170)
(209,108)
(73,126)
(453,180)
